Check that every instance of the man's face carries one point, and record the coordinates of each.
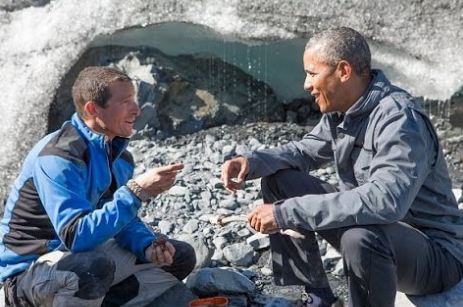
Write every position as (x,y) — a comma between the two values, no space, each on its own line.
(118,117)
(323,83)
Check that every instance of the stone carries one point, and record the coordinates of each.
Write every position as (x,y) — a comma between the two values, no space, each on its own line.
(230,204)
(331,256)
(203,253)
(258,241)
(228,151)
(178,191)
(165,226)
(210,281)
(218,255)
(330,170)
(224,212)
(216,183)
(206,196)
(220,242)
(243,233)
(266,271)
(239,254)
(191,226)
(292,294)
(339,268)
(458,194)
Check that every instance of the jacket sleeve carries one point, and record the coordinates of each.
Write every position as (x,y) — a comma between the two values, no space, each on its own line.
(61,186)
(405,152)
(136,237)
(307,154)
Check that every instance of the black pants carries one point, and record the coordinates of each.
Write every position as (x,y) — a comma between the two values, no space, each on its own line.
(378,259)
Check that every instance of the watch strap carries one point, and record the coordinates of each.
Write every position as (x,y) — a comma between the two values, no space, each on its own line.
(136,189)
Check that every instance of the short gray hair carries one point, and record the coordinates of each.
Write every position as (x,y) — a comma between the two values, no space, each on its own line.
(342,43)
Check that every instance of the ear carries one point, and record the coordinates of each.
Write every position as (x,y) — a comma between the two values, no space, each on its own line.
(345,70)
(90,109)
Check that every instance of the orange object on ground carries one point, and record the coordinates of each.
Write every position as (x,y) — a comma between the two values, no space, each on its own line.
(214,301)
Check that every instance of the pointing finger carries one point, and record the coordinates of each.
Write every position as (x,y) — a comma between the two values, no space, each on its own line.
(169,168)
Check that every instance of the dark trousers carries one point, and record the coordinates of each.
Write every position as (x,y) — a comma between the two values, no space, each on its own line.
(378,259)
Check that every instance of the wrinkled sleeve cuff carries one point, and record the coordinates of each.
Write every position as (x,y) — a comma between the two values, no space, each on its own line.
(279,214)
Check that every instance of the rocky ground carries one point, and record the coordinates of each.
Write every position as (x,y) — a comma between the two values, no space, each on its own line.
(190,210)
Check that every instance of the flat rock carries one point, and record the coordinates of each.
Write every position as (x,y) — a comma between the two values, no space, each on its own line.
(258,241)
(191,226)
(239,254)
(210,281)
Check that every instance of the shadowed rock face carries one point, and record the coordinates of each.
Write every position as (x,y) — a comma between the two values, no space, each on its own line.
(39,45)
(177,95)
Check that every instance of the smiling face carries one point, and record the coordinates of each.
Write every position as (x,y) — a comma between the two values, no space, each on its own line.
(324,82)
(118,115)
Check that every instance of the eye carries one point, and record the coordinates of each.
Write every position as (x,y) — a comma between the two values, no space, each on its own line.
(311,74)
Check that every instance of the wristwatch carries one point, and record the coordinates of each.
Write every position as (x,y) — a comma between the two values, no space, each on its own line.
(138,190)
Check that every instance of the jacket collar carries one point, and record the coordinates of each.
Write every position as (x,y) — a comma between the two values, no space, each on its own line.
(379,86)
(113,148)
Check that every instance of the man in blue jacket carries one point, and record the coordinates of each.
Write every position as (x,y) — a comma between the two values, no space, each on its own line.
(70,235)
(393,215)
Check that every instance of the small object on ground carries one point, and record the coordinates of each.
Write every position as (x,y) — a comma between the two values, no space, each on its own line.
(223,220)
(214,301)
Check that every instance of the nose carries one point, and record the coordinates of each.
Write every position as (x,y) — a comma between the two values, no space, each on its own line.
(135,108)
(308,84)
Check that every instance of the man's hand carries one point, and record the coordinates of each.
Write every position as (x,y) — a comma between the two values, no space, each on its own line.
(159,179)
(235,168)
(262,219)
(162,254)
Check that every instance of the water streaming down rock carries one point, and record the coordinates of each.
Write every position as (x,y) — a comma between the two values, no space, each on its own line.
(418,44)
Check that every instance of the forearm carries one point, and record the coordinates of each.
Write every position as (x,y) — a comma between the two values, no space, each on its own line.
(92,228)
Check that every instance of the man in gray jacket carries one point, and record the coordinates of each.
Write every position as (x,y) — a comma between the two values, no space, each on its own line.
(393,216)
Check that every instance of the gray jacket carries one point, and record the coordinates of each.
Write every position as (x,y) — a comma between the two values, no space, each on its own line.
(389,164)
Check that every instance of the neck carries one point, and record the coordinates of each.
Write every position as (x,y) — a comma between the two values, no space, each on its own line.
(355,90)
(97,127)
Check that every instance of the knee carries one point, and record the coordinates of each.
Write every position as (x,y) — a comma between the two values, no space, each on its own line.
(185,256)
(361,243)
(275,178)
(272,186)
(94,269)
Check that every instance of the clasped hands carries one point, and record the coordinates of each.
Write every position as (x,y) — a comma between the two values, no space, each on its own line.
(160,252)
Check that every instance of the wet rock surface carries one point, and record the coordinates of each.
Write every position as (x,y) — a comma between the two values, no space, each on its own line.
(180,94)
